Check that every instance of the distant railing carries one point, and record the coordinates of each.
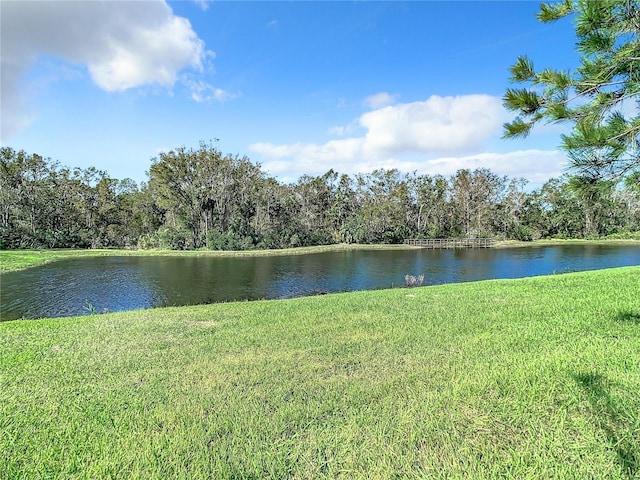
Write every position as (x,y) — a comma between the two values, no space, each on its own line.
(451,242)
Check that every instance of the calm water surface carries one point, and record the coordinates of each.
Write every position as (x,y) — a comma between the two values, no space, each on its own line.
(79,286)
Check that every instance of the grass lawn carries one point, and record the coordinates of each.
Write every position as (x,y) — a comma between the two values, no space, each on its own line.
(534,378)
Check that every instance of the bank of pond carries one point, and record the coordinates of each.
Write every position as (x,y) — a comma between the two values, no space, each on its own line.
(97,284)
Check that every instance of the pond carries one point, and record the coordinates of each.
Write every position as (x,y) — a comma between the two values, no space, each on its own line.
(101,284)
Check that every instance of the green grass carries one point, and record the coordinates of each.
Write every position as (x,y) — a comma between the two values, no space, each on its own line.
(532,378)
(609,241)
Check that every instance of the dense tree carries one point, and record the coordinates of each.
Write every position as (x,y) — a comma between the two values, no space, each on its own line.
(45,205)
(120,212)
(476,195)
(599,205)
(432,211)
(629,198)
(270,218)
(383,198)
(314,198)
(175,180)
(555,211)
(341,215)
(511,212)
(604,142)
(208,195)
(203,199)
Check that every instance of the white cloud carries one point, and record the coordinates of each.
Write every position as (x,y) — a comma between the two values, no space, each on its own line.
(537,166)
(336,151)
(342,130)
(339,130)
(379,100)
(122,44)
(202,91)
(438,125)
(437,136)
(203,4)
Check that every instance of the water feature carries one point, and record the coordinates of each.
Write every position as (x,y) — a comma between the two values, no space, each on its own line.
(97,284)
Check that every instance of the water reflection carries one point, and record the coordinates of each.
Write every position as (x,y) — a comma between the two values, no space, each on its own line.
(123,283)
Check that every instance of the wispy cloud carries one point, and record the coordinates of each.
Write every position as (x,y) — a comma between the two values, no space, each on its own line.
(203,4)
(343,130)
(202,91)
(379,100)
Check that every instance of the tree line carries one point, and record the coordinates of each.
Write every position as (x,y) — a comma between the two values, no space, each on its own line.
(200,198)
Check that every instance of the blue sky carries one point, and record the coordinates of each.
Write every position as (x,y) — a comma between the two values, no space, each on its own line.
(300,87)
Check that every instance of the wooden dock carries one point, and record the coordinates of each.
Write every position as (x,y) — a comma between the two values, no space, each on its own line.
(451,242)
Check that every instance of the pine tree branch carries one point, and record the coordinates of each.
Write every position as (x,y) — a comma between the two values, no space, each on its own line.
(606,141)
(629,131)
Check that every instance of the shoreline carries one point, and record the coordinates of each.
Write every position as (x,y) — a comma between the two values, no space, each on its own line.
(15,260)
